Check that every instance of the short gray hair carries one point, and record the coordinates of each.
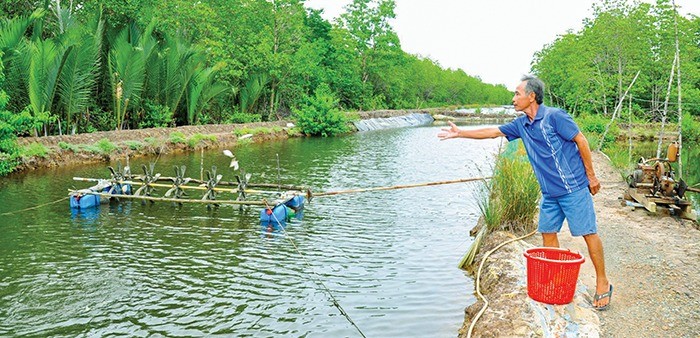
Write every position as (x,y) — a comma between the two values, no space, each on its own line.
(534,85)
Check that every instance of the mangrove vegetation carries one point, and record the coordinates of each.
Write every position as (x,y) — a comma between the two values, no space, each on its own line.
(84,66)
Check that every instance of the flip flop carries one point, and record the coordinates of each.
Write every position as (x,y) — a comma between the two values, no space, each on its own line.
(598,297)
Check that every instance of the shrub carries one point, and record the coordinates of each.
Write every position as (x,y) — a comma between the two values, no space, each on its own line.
(690,127)
(97,120)
(320,115)
(239,117)
(134,145)
(377,102)
(593,126)
(68,146)
(177,137)
(8,163)
(195,139)
(105,146)
(155,115)
(592,123)
(35,149)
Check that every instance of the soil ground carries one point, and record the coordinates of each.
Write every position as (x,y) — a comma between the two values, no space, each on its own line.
(653,261)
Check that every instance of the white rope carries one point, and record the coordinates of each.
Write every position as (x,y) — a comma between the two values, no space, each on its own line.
(35,207)
(478,277)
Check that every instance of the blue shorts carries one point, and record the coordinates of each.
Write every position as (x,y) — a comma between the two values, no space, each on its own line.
(576,207)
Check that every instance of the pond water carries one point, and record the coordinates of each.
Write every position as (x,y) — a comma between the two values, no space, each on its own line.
(389,257)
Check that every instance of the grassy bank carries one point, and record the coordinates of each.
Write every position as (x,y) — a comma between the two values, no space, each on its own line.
(100,147)
(509,200)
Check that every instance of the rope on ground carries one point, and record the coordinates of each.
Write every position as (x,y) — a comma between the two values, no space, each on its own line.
(316,280)
(35,207)
(478,277)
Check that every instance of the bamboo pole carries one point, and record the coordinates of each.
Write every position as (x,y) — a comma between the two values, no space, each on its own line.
(159,185)
(175,200)
(331,193)
(230,183)
(617,109)
(665,112)
(692,189)
(680,101)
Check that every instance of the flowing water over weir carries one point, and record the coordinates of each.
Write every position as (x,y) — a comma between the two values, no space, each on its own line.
(411,120)
(388,257)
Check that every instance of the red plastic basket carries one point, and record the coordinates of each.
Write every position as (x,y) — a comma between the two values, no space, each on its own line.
(552,274)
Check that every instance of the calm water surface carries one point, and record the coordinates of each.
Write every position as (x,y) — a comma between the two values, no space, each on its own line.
(388,257)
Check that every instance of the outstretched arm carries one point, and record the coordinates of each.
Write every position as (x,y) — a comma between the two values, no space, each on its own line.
(585,151)
(454,132)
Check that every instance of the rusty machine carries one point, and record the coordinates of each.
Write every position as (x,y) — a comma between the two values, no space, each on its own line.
(653,184)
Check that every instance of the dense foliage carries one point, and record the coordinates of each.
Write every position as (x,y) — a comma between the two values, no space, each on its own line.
(589,71)
(320,115)
(86,65)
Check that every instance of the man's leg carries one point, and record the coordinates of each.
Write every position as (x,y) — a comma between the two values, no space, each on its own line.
(550,240)
(595,250)
(550,221)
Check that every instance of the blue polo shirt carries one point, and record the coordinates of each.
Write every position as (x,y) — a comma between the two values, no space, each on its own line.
(554,156)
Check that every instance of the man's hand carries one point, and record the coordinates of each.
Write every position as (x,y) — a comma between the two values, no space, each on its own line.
(593,185)
(448,133)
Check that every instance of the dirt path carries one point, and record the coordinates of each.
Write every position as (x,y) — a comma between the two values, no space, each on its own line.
(652,260)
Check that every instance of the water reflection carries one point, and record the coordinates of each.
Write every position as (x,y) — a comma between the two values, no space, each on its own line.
(85,218)
(133,269)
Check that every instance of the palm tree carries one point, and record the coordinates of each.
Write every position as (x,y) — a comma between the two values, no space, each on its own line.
(252,91)
(79,75)
(180,63)
(46,59)
(201,90)
(13,47)
(127,71)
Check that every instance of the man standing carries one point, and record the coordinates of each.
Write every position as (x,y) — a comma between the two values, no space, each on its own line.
(561,159)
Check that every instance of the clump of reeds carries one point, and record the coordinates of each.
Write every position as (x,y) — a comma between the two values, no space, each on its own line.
(510,199)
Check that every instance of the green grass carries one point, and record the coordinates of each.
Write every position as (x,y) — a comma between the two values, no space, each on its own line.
(197,138)
(254,131)
(294,132)
(35,149)
(90,148)
(69,146)
(153,142)
(134,145)
(105,146)
(177,137)
(510,199)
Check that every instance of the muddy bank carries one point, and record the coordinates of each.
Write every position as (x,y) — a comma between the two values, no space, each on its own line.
(71,149)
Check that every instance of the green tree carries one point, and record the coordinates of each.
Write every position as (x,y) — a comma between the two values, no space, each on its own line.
(588,71)
(372,39)
(320,116)
(10,125)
